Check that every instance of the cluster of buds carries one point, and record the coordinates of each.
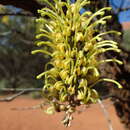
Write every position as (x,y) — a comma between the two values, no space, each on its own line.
(74,47)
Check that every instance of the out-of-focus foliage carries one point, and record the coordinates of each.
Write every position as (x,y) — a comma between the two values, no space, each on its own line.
(127,39)
(18,67)
(2,8)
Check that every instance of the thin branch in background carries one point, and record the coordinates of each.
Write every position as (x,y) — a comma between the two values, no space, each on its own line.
(122,9)
(121,4)
(106,115)
(20,89)
(29,5)
(10,98)
(20,92)
(39,106)
(17,14)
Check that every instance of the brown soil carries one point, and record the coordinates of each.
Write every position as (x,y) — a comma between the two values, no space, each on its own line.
(91,119)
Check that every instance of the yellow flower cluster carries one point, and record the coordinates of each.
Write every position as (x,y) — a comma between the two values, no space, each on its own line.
(74,46)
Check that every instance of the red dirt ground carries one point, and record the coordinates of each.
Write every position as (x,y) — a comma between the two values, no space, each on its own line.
(91,119)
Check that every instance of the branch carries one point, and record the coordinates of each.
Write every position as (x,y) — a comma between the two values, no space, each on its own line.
(17,14)
(10,98)
(20,92)
(20,89)
(121,9)
(39,106)
(28,5)
(125,9)
(106,115)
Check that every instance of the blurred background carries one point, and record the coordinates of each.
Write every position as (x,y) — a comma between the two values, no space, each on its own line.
(18,67)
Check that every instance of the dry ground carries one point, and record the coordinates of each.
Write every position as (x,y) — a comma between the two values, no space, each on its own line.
(91,119)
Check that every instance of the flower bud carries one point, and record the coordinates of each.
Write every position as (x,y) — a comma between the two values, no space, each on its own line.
(63,74)
(79,37)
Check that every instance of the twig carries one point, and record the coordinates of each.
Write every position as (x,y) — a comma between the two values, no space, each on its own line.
(39,106)
(106,115)
(20,92)
(20,89)
(10,98)
(17,14)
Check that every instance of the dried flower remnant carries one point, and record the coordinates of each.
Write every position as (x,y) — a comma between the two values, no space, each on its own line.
(74,49)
